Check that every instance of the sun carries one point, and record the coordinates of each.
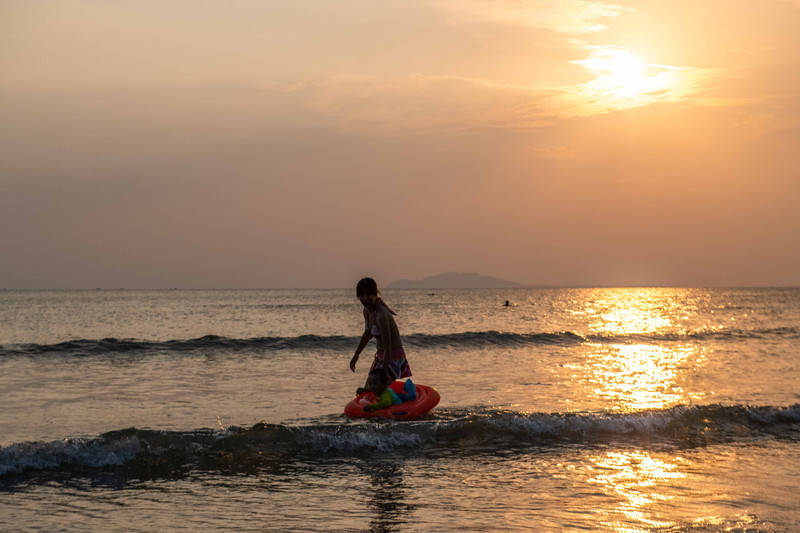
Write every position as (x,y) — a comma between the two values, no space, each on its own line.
(622,79)
(626,74)
(618,73)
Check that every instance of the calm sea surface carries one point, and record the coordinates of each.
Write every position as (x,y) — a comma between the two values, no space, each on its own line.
(570,409)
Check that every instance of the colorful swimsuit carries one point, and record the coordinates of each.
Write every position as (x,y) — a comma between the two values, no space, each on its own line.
(398,365)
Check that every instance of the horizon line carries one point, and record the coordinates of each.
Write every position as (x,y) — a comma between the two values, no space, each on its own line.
(640,286)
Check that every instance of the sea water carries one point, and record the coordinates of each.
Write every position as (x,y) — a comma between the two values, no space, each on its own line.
(568,409)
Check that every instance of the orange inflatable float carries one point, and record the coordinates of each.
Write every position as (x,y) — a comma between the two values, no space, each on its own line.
(427,398)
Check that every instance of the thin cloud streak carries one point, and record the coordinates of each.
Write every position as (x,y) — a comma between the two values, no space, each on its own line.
(572,17)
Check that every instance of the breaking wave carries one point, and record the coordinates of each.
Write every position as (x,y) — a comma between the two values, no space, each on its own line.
(475,339)
(145,453)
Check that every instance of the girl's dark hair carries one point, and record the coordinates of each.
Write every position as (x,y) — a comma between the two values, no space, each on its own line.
(366,286)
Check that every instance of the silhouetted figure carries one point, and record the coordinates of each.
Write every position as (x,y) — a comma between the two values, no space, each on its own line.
(379,323)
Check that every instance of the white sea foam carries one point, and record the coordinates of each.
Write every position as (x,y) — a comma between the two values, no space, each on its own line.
(362,439)
(481,428)
(55,454)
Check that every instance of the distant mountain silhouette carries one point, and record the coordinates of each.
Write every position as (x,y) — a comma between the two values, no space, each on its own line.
(454,280)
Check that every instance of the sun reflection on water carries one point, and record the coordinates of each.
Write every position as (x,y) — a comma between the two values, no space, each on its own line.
(636,477)
(633,311)
(640,376)
(649,373)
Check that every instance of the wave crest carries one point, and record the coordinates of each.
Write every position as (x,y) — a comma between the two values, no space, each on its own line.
(472,339)
(141,452)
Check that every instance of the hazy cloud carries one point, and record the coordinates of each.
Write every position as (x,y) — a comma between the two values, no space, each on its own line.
(566,16)
(282,143)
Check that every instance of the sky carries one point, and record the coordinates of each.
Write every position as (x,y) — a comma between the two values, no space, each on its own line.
(250,144)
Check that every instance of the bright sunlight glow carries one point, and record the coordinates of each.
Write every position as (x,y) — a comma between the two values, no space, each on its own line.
(622,79)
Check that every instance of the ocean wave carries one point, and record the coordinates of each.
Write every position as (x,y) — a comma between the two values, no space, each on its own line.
(68,452)
(146,453)
(201,344)
(475,339)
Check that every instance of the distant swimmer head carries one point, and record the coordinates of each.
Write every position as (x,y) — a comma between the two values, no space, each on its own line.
(367,291)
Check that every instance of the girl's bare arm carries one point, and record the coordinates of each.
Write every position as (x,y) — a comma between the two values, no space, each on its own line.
(361,345)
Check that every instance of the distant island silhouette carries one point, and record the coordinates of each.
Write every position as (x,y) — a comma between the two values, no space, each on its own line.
(454,280)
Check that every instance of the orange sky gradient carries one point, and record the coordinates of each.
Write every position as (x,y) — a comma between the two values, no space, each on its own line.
(209,144)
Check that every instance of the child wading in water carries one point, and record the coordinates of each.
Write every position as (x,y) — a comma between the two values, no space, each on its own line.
(378,384)
(379,323)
